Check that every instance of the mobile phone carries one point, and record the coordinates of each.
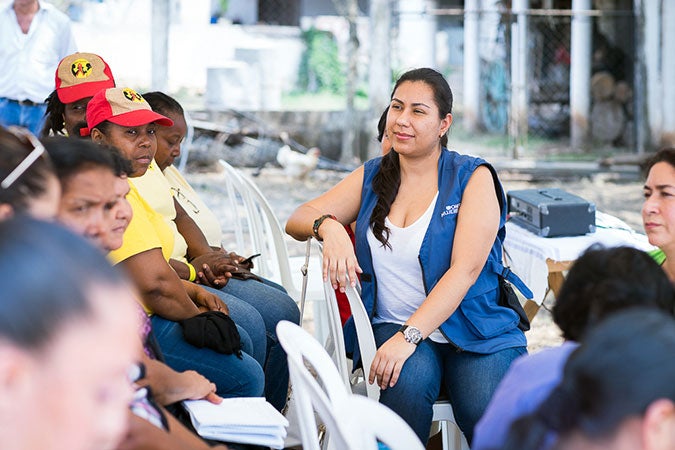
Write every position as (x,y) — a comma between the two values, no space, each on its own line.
(249,260)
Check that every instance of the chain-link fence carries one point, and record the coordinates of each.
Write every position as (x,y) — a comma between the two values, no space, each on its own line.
(547,73)
(549,76)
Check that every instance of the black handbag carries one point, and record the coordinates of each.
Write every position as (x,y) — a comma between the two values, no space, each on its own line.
(214,330)
(509,299)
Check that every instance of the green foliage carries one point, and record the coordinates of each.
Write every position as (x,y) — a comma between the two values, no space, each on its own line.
(320,101)
(320,68)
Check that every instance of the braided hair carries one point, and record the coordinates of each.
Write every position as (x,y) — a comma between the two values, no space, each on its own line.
(54,123)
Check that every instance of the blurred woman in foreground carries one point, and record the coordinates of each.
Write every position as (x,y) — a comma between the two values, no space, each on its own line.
(67,339)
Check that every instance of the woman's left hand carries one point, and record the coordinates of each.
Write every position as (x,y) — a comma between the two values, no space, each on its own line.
(389,361)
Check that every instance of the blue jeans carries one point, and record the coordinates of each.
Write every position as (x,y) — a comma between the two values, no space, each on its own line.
(274,305)
(27,116)
(233,377)
(469,379)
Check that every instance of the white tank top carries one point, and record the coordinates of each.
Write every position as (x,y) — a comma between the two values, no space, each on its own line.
(400,288)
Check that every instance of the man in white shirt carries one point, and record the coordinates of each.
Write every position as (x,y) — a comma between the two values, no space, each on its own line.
(34,37)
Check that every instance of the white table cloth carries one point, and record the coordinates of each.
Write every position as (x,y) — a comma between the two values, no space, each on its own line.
(526,253)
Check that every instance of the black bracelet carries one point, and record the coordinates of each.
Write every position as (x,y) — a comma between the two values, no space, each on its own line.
(318,222)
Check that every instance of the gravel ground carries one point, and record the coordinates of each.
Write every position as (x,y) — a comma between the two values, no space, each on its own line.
(619,198)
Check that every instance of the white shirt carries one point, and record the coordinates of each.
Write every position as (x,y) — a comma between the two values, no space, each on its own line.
(400,286)
(28,61)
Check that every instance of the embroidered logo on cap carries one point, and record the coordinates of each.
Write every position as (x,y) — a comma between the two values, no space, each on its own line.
(132,95)
(450,209)
(81,68)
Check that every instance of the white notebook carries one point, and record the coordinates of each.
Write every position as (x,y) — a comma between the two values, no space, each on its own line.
(247,420)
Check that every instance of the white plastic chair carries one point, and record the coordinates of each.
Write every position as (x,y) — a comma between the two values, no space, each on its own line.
(336,347)
(365,422)
(352,422)
(453,439)
(267,237)
(302,348)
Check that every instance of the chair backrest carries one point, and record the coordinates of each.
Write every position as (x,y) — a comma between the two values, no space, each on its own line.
(322,394)
(237,221)
(364,333)
(257,230)
(365,338)
(365,422)
(335,342)
(266,234)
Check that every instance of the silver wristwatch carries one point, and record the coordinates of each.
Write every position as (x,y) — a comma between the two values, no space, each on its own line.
(411,334)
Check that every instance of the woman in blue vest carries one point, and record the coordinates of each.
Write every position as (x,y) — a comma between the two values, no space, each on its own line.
(429,231)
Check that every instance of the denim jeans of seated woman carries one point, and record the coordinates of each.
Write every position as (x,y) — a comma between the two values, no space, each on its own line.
(469,379)
(233,377)
(263,305)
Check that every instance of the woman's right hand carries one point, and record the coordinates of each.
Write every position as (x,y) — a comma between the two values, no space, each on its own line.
(206,277)
(339,260)
(169,386)
(194,386)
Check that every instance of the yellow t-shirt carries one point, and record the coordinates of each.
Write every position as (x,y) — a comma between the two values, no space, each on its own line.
(147,230)
(156,190)
(205,219)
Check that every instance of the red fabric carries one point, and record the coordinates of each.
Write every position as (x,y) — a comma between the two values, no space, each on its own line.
(343,303)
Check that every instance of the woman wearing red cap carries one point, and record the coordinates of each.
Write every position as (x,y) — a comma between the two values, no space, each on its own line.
(122,118)
(78,77)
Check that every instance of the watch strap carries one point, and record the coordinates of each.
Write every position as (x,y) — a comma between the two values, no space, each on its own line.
(318,222)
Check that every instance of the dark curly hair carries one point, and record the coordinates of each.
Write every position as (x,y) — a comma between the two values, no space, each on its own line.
(605,280)
(388,179)
(72,156)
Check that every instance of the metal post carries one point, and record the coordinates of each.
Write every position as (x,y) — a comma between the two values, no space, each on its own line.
(471,104)
(580,74)
(518,123)
(349,144)
(417,34)
(160,44)
(379,70)
(639,105)
(668,74)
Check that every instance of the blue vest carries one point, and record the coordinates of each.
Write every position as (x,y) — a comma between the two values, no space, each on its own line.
(479,324)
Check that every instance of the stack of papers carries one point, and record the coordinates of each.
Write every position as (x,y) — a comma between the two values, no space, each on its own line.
(247,420)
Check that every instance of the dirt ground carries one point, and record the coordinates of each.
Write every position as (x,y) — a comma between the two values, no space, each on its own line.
(619,198)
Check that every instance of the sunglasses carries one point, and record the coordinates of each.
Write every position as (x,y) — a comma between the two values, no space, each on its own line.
(38,150)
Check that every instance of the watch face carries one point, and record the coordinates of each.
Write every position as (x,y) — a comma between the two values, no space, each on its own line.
(412,335)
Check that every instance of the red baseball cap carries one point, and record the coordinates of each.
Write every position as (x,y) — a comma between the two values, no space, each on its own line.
(82,75)
(121,106)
